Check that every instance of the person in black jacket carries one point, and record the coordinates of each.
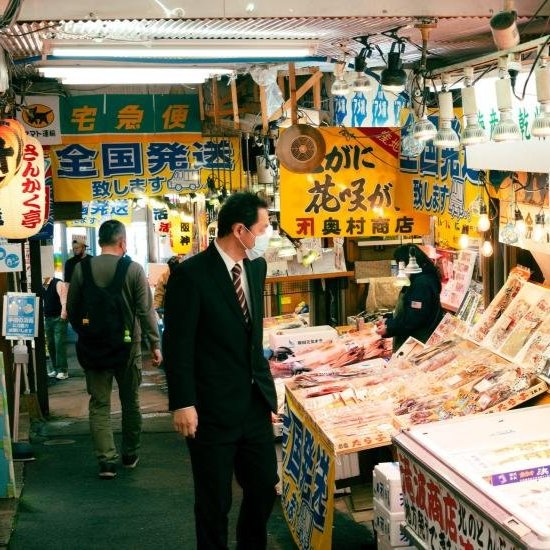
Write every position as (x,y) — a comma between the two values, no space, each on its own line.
(418,310)
(220,388)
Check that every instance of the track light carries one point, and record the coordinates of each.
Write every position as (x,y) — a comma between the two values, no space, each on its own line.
(361,82)
(472,133)
(483,222)
(393,77)
(424,129)
(339,87)
(507,129)
(446,136)
(412,267)
(401,279)
(504,28)
(541,124)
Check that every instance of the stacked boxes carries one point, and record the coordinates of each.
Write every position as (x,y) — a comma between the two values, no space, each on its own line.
(388,513)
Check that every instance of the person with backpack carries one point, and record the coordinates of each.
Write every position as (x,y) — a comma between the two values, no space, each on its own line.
(109,305)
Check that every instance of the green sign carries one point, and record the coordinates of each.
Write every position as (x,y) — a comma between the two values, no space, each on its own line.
(130,114)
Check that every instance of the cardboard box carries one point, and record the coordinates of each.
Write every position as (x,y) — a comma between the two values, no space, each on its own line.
(388,524)
(386,486)
(298,338)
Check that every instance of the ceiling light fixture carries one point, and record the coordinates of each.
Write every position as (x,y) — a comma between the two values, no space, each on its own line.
(446,137)
(82,75)
(393,77)
(472,133)
(339,87)
(183,49)
(506,129)
(541,124)
(504,27)
(361,83)
(412,267)
(401,278)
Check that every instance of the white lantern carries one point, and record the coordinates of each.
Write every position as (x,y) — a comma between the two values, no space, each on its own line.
(24,203)
(12,141)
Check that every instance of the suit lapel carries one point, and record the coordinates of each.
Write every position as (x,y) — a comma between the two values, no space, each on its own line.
(223,280)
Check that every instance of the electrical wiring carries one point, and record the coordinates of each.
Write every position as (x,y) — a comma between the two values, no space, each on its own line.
(537,57)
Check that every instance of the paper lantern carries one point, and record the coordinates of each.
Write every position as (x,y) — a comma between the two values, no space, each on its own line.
(181,234)
(12,141)
(24,201)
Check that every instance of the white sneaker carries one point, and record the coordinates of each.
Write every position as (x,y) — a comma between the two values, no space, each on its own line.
(62,376)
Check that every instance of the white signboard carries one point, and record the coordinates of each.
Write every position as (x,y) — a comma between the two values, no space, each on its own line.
(41,118)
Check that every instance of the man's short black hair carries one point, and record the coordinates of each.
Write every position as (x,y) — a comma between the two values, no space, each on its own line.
(110,232)
(239,208)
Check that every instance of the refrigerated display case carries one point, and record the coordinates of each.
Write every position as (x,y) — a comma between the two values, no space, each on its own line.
(481,481)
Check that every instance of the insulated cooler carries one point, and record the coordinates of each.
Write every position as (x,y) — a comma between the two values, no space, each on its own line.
(481,481)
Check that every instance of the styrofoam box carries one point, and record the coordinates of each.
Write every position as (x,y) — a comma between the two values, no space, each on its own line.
(297,338)
(388,524)
(383,543)
(347,466)
(386,485)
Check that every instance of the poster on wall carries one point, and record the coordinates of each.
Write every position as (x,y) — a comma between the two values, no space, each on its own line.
(353,192)
(438,182)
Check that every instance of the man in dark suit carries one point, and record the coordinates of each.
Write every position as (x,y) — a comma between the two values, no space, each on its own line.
(220,388)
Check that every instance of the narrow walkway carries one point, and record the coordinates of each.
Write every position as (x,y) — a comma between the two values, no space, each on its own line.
(65,506)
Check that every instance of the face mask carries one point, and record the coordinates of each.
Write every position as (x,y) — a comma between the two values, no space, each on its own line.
(261,244)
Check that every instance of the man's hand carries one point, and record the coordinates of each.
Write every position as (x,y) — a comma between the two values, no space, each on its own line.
(381,328)
(186,421)
(157,357)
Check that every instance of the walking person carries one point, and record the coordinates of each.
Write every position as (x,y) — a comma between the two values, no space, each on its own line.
(79,253)
(219,385)
(54,299)
(109,342)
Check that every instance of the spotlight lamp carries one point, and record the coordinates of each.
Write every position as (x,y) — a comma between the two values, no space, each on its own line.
(339,87)
(401,279)
(446,136)
(507,129)
(424,129)
(472,133)
(393,77)
(412,267)
(361,83)
(541,124)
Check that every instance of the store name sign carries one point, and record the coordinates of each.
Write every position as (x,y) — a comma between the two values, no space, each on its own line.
(438,514)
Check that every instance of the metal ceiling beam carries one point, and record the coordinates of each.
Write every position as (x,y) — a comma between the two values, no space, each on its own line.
(35,10)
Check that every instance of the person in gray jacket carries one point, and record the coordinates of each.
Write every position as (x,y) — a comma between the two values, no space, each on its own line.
(138,313)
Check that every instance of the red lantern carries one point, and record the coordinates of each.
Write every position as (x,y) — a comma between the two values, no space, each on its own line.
(23,200)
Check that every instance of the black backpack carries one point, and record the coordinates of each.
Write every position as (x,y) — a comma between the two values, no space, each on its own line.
(104,342)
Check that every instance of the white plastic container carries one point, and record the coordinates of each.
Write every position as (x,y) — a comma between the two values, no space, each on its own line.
(386,486)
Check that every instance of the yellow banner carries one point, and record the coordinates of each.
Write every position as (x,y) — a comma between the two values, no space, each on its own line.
(181,234)
(308,480)
(352,193)
(130,166)
(438,182)
(96,212)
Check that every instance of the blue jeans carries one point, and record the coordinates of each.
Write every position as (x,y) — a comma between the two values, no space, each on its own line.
(99,384)
(56,336)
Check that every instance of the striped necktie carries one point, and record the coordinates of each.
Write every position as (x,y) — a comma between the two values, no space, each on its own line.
(236,272)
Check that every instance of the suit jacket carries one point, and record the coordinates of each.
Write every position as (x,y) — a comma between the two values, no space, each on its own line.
(211,356)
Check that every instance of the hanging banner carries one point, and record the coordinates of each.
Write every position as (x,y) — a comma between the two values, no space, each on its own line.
(124,167)
(40,117)
(94,213)
(438,182)
(160,220)
(46,233)
(352,193)
(181,234)
(308,473)
(129,114)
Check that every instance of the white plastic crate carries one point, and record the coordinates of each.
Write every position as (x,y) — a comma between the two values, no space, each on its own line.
(347,466)
(386,486)
(388,524)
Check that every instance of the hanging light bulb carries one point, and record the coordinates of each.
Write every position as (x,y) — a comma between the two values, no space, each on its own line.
(446,137)
(472,133)
(521,227)
(538,230)
(339,87)
(541,124)
(464,239)
(506,129)
(487,249)
(412,267)
(401,278)
(483,222)
(393,77)
(424,129)
(361,83)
